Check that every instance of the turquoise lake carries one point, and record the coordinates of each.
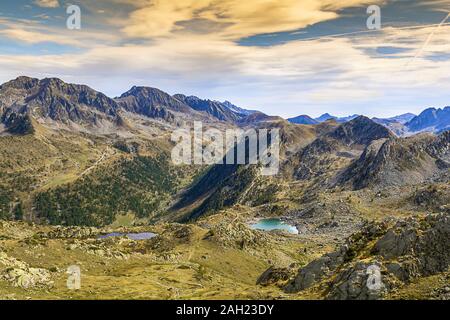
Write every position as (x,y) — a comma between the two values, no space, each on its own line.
(274,224)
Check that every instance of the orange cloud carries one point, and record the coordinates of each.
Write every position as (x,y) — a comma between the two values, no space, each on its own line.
(240,18)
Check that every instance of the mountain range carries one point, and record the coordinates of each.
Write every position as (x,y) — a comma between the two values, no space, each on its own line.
(430,120)
(77,165)
(305,119)
(55,100)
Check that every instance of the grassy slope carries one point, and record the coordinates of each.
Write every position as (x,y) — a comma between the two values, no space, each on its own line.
(70,178)
(199,269)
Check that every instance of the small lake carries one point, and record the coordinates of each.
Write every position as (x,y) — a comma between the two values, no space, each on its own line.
(132,236)
(274,224)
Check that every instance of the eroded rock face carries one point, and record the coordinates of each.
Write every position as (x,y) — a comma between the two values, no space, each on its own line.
(422,245)
(404,269)
(398,241)
(398,162)
(315,271)
(412,248)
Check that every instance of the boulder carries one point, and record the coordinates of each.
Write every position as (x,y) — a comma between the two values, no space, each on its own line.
(275,276)
(353,284)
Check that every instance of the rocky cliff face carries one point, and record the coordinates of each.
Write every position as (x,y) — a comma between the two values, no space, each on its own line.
(56,100)
(411,248)
(64,103)
(152,103)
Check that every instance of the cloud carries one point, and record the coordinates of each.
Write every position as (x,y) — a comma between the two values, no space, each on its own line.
(190,47)
(314,74)
(240,18)
(34,32)
(47,3)
(31,37)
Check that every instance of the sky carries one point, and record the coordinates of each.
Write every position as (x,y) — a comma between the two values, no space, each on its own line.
(282,57)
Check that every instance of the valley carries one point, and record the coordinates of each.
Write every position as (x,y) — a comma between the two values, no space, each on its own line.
(76,166)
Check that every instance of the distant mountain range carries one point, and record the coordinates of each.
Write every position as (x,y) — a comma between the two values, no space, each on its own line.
(305,119)
(435,120)
(430,120)
(237,109)
(214,108)
(54,100)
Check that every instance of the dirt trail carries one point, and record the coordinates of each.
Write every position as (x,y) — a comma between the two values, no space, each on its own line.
(106,154)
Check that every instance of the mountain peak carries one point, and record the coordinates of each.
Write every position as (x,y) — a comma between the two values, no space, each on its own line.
(214,108)
(237,109)
(21,82)
(53,99)
(151,102)
(327,116)
(361,130)
(431,119)
(143,91)
(303,119)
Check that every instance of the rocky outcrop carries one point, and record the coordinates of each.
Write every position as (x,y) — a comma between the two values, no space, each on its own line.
(28,278)
(18,123)
(100,248)
(236,234)
(73,233)
(397,162)
(325,266)
(354,283)
(276,276)
(421,244)
(416,247)
(20,274)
